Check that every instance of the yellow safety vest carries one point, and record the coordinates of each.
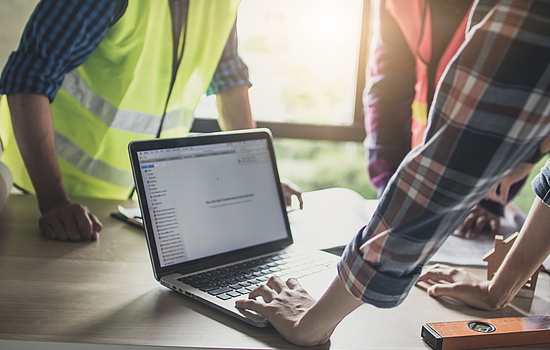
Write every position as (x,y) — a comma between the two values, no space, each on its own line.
(120,92)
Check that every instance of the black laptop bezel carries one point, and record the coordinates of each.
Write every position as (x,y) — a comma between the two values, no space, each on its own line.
(196,140)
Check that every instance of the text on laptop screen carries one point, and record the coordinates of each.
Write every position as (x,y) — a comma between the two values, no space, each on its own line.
(195,195)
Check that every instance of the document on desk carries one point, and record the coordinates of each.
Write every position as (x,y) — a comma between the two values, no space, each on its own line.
(470,252)
(332,217)
(129,215)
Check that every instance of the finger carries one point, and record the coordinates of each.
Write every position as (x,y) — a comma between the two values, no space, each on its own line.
(46,228)
(293,283)
(249,304)
(262,291)
(465,227)
(84,222)
(495,226)
(456,291)
(480,224)
(97,226)
(430,275)
(276,283)
(68,220)
(300,199)
(438,273)
(503,199)
(58,228)
(461,231)
(288,199)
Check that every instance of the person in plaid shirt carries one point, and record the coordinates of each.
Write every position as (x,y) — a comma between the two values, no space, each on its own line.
(491,112)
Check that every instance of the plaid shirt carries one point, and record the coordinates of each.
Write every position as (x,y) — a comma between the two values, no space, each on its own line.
(491,111)
(541,184)
(61,34)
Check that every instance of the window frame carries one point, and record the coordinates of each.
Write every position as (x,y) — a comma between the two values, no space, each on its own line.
(353,132)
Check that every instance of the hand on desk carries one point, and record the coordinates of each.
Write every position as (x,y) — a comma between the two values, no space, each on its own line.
(476,221)
(458,284)
(290,189)
(284,305)
(70,221)
(297,316)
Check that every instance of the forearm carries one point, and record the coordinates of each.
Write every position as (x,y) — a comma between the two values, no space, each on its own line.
(33,129)
(530,249)
(322,318)
(234,109)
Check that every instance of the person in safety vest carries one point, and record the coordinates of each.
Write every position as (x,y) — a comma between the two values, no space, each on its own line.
(490,115)
(414,42)
(91,76)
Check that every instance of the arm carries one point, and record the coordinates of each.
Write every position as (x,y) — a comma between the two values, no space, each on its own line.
(33,129)
(464,155)
(529,251)
(500,191)
(388,99)
(230,83)
(234,109)
(31,79)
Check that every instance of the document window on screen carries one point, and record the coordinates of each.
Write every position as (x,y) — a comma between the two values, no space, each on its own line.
(195,193)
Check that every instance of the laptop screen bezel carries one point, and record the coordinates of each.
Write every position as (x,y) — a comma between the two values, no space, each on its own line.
(197,140)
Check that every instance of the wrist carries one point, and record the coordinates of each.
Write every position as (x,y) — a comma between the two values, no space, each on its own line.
(497,297)
(51,199)
(318,322)
(314,328)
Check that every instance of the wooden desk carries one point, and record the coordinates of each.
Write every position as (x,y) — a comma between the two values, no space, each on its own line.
(104,293)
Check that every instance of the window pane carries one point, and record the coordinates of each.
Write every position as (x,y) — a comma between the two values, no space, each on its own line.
(303,59)
(315,165)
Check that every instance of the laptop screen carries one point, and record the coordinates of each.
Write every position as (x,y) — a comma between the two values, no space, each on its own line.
(208,199)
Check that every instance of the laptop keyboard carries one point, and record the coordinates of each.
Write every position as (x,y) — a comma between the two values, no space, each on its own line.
(235,280)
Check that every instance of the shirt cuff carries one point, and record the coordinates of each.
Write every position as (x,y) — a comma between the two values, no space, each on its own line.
(15,79)
(541,184)
(368,283)
(229,73)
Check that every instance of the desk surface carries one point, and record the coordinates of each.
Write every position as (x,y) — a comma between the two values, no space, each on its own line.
(104,292)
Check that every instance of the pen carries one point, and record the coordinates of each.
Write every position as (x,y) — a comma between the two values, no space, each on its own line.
(135,221)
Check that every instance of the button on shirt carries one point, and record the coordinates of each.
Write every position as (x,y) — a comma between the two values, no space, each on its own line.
(61,34)
(491,111)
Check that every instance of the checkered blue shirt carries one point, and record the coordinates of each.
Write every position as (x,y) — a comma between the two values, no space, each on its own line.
(61,34)
(491,111)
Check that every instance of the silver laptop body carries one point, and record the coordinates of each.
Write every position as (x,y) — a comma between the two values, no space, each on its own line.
(215,219)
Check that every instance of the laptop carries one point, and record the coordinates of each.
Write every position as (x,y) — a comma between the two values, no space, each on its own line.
(216,221)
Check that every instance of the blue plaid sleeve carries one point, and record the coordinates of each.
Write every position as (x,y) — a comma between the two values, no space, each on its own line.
(58,37)
(231,70)
(541,183)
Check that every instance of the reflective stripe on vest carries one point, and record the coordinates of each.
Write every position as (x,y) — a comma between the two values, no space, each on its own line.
(67,150)
(119,94)
(132,121)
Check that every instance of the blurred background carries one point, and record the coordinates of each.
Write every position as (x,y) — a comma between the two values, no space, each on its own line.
(307,63)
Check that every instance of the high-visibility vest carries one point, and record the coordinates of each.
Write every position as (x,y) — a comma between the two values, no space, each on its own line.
(410,14)
(120,93)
